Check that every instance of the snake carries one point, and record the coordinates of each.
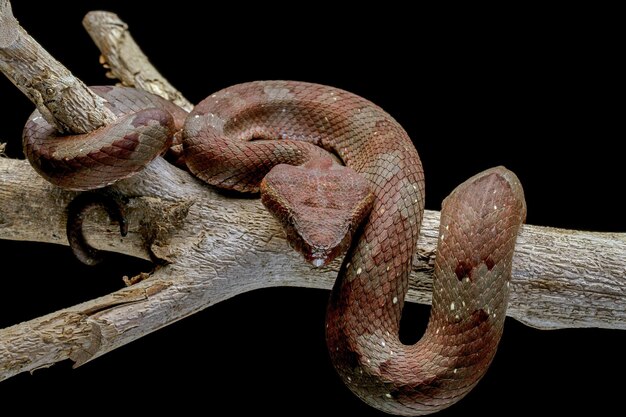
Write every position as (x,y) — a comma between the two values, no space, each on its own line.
(145,128)
(295,142)
(76,212)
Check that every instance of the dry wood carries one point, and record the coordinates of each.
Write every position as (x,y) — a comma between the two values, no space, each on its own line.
(125,60)
(219,246)
(62,99)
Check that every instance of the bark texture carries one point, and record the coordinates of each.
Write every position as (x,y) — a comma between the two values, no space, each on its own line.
(213,247)
(125,60)
(219,246)
(62,99)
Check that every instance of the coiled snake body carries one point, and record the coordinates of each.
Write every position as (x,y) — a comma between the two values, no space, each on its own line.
(230,140)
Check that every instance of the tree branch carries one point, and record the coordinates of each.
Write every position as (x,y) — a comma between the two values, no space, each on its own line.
(124,58)
(219,244)
(62,99)
(215,246)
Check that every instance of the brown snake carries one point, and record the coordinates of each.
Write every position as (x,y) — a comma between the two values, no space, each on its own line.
(228,143)
(144,129)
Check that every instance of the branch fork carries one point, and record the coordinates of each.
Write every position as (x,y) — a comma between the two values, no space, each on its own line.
(211,246)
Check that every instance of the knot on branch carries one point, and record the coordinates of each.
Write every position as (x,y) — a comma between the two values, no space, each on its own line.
(159,220)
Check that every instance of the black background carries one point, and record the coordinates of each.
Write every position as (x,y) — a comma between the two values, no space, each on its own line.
(536,91)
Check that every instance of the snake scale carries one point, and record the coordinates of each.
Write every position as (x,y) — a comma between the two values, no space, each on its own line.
(241,137)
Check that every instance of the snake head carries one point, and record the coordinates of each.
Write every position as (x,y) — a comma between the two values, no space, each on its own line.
(320,205)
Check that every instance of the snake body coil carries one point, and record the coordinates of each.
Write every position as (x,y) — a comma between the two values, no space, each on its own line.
(479,226)
(236,136)
(143,130)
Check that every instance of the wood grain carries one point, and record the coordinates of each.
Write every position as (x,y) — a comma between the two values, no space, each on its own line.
(220,246)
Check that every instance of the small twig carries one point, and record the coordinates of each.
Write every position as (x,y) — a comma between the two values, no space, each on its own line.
(125,60)
(62,99)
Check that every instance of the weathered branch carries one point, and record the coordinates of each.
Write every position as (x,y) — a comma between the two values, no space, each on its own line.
(125,60)
(218,246)
(222,246)
(62,99)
